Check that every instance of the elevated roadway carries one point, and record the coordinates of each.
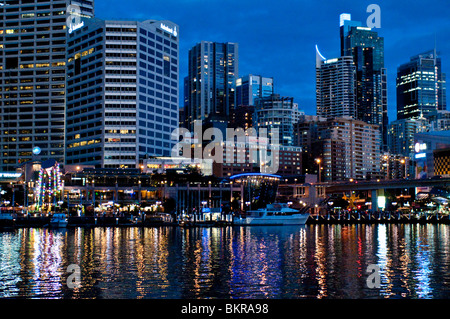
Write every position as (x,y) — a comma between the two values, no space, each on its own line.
(339,187)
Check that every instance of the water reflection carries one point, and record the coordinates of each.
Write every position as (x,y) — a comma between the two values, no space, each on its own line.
(316,261)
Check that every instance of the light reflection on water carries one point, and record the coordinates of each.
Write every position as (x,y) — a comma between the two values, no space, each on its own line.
(314,261)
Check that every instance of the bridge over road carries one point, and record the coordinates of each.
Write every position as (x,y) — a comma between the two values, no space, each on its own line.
(377,186)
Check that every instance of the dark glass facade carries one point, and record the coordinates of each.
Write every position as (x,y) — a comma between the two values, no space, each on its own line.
(367,50)
(211,83)
(421,86)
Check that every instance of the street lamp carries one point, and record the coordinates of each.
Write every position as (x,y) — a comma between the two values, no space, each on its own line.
(319,161)
(403,161)
(386,158)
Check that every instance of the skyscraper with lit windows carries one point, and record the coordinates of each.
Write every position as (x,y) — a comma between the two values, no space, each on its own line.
(122,92)
(277,112)
(335,87)
(251,87)
(367,49)
(211,82)
(421,86)
(33,78)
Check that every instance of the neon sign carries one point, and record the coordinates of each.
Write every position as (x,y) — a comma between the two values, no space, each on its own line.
(10,175)
(172,31)
(420,147)
(74,27)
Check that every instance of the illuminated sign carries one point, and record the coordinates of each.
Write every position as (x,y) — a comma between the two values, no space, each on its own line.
(420,147)
(172,31)
(420,155)
(331,61)
(382,202)
(9,175)
(36,150)
(74,27)
(344,17)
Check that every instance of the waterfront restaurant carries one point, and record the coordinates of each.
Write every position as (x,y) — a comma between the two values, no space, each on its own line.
(111,190)
(257,189)
(90,191)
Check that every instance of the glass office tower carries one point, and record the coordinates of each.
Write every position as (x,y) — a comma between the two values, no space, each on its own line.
(367,50)
(33,78)
(211,83)
(401,135)
(421,86)
(277,112)
(251,87)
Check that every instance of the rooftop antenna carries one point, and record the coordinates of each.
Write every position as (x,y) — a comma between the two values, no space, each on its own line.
(435,45)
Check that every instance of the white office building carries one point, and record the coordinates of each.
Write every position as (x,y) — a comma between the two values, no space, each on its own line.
(122,92)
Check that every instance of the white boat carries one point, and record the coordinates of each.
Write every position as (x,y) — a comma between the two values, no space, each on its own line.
(58,220)
(273,214)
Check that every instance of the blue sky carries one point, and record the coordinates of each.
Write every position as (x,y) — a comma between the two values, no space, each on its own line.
(277,38)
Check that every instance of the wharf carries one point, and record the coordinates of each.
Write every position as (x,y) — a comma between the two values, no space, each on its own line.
(379,218)
(108,221)
(346,218)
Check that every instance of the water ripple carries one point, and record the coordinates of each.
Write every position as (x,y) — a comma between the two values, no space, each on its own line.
(315,261)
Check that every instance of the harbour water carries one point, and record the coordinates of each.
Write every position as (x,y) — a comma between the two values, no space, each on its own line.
(312,261)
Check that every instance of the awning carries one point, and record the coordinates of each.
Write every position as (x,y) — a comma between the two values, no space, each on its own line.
(421,196)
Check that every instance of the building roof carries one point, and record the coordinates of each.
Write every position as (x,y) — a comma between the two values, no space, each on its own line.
(434,133)
(254,174)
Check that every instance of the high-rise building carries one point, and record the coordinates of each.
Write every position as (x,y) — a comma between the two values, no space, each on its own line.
(347,148)
(306,134)
(351,149)
(401,135)
(421,86)
(243,117)
(367,49)
(276,112)
(396,166)
(288,159)
(335,87)
(33,78)
(439,121)
(211,84)
(122,92)
(251,87)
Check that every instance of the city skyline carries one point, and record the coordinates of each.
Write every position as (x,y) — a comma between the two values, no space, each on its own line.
(212,76)
(271,46)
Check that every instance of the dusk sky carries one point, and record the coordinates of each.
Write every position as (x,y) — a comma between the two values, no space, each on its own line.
(277,38)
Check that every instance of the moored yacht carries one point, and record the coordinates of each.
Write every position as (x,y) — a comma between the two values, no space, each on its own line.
(59,220)
(273,214)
